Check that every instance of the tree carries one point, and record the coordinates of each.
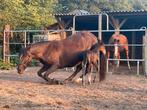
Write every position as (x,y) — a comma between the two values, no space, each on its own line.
(23,14)
(94,5)
(139,4)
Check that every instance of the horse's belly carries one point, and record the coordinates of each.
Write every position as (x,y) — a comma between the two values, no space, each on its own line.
(71,61)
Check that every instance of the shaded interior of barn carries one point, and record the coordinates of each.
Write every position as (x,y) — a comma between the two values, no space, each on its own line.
(134,20)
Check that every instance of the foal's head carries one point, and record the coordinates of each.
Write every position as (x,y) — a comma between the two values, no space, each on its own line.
(99,47)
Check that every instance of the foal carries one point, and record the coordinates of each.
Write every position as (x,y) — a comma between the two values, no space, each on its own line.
(90,60)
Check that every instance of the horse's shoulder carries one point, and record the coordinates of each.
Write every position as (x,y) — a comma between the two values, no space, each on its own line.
(123,37)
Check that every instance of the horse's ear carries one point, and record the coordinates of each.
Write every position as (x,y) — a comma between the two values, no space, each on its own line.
(113,22)
(61,24)
(122,23)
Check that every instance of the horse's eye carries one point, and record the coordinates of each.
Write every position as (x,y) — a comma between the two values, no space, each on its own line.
(116,40)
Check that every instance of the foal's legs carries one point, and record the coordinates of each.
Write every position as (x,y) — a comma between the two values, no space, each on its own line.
(90,74)
(96,65)
(78,69)
(88,70)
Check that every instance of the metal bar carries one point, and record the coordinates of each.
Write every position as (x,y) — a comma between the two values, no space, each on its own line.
(14,55)
(122,30)
(107,23)
(15,43)
(100,26)
(74,24)
(107,66)
(125,44)
(105,44)
(137,67)
(110,59)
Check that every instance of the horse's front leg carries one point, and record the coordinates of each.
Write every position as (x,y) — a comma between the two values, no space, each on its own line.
(78,69)
(118,62)
(43,69)
(49,71)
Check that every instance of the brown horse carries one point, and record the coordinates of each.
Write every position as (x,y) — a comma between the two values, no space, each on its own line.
(120,43)
(92,59)
(58,54)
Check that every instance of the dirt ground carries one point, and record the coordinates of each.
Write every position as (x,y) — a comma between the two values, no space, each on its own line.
(30,92)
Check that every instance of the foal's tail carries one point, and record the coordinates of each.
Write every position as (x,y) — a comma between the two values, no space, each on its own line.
(102,72)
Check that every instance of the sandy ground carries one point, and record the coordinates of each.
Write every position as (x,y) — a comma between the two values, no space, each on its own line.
(30,92)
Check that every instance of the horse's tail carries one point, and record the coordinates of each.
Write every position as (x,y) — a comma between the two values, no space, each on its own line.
(102,72)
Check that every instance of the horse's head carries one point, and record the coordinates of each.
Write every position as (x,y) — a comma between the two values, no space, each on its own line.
(116,48)
(24,59)
(102,48)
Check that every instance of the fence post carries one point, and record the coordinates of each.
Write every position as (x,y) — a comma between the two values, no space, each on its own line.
(145,52)
(25,38)
(6,49)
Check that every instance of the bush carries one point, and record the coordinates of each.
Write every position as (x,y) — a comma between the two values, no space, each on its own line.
(5,66)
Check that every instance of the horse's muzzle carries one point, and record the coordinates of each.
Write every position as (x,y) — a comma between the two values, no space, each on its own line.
(20,73)
(19,70)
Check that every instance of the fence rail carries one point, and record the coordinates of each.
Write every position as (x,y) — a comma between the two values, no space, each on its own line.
(132,60)
(26,41)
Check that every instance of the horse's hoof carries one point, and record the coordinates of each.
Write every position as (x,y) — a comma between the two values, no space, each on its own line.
(65,82)
(54,81)
(89,83)
(60,82)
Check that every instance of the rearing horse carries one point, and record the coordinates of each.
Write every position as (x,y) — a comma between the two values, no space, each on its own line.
(58,54)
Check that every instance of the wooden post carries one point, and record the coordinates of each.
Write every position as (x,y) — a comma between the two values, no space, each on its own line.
(6,49)
(145,52)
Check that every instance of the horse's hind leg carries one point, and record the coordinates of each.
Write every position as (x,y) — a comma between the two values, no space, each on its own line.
(78,69)
(127,55)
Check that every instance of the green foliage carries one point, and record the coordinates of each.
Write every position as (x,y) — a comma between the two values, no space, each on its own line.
(24,14)
(33,14)
(94,5)
(5,66)
(101,5)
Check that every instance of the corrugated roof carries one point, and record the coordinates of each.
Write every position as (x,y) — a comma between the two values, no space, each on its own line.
(83,12)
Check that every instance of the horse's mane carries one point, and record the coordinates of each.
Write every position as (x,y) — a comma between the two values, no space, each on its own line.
(26,49)
(23,51)
(100,42)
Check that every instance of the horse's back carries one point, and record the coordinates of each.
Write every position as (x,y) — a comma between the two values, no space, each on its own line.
(79,40)
(123,39)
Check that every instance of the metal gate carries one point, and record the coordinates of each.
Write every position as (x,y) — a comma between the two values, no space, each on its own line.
(21,38)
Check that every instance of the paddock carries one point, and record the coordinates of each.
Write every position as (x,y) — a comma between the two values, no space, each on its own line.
(121,91)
